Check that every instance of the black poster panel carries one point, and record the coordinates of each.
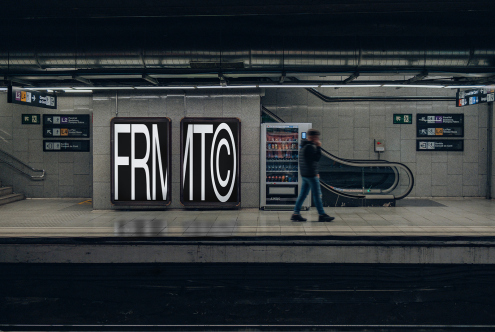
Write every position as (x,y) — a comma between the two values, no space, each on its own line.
(141,157)
(210,162)
(440,145)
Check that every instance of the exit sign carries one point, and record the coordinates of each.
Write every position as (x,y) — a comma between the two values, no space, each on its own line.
(402,118)
(30,119)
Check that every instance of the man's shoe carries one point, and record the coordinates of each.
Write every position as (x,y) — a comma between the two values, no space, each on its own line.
(297,217)
(325,217)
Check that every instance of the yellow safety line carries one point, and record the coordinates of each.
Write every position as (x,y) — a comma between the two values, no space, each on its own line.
(89,201)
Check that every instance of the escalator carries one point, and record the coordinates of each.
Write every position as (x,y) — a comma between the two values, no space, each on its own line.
(351,182)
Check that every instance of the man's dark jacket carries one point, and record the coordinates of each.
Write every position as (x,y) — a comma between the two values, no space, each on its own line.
(309,155)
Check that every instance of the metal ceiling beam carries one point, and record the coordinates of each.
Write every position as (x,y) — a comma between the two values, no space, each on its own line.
(351,78)
(81,79)
(18,80)
(415,78)
(150,79)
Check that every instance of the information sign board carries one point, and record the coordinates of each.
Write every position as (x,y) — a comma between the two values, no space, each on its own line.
(440,145)
(74,125)
(439,119)
(402,118)
(30,119)
(65,132)
(475,96)
(31,98)
(65,146)
(72,120)
(442,131)
(210,162)
(440,125)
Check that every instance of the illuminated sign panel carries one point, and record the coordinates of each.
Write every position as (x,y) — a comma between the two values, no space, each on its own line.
(141,161)
(210,161)
(31,98)
(476,96)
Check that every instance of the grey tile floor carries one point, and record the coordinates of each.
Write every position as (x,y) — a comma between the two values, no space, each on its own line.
(74,217)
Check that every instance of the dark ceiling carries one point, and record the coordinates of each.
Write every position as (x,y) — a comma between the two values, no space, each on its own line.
(223,8)
(54,34)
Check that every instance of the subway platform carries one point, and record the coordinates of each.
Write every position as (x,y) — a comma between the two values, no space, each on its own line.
(449,230)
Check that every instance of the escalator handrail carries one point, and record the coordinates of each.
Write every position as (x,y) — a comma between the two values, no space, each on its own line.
(347,162)
(392,165)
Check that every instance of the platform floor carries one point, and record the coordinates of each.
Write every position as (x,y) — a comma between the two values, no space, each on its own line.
(75,218)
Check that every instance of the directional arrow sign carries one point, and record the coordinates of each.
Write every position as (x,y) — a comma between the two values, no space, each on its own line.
(37,99)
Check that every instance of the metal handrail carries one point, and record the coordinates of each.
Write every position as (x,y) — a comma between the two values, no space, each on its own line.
(360,163)
(32,177)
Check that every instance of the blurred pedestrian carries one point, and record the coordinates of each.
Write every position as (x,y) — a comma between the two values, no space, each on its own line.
(310,154)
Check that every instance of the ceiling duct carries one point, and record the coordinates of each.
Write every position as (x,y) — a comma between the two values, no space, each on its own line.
(216,65)
(265,54)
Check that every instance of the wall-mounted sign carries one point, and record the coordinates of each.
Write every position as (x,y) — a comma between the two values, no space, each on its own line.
(443,131)
(476,96)
(65,146)
(210,161)
(440,125)
(30,119)
(440,145)
(141,156)
(439,119)
(65,132)
(31,98)
(58,125)
(402,118)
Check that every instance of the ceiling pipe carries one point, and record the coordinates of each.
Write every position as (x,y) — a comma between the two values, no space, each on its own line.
(264,54)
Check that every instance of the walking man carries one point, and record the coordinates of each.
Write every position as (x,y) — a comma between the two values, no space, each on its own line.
(310,154)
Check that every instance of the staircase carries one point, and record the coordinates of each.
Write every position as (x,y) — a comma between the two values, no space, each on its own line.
(7,195)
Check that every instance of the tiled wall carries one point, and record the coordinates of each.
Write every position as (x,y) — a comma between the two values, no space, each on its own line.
(242,104)
(68,174)
(348,130)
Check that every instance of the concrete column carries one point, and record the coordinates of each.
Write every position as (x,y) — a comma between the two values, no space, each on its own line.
(490,162)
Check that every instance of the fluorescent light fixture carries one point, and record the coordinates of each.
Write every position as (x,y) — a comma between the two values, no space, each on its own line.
(288,86)
(3,89)
(50,88)
(350,86)
(413,86)
(104,88)
(163,87)
(226,87)
(465,86)
(79,91)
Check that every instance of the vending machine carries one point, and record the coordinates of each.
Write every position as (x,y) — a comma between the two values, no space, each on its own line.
(280,180)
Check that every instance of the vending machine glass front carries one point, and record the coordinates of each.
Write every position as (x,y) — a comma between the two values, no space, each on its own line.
(282,165)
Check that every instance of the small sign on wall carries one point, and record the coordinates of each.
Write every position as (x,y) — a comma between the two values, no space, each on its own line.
(30,119)
(402,118)
(210,162)
(141,155)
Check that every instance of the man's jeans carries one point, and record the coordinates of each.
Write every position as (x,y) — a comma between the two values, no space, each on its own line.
(314,185)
